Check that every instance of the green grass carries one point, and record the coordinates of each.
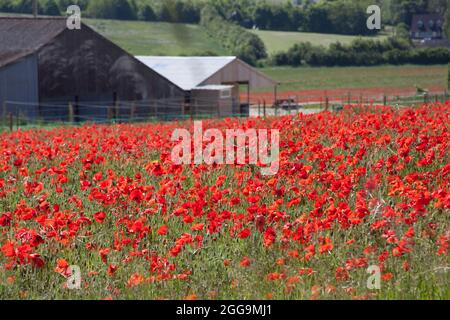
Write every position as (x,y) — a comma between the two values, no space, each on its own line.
(305,78)
(158,38)
(276,41)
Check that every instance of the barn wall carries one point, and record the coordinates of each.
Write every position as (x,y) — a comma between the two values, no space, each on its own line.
(238,71)
(19,83)
(83,64)
(209,102)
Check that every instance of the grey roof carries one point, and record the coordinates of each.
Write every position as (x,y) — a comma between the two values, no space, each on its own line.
(21,36)
(186,72)
(214,87)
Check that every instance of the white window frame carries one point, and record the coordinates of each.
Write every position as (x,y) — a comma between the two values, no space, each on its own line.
(225,93)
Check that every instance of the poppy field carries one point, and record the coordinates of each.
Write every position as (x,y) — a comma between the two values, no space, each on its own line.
(364,189)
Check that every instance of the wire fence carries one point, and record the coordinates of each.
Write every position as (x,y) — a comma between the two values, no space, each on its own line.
(28,115)
(294,103)
(17,114)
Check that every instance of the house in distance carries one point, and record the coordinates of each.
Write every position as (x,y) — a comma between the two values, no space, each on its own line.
(427,26)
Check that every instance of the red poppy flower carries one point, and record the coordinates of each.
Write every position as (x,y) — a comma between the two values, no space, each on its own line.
(100,217)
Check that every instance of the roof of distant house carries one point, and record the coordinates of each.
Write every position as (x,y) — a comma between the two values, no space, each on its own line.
(21,36)
(425,19)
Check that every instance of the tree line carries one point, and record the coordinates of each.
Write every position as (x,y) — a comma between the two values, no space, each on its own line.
(229,20)
(360,52)
(242,43)
(146,10)
(326,16)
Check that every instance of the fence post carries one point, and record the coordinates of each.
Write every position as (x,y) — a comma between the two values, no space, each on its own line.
(264,108)
(132,111)
(10,121)
(349,97)
(4,113)
(71,114)
(327,103)
(384,100)
(116,111)
(425,98)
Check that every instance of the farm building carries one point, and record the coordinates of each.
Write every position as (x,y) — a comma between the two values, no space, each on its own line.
(210,84)
(427,26)
(52,73)
(45,67)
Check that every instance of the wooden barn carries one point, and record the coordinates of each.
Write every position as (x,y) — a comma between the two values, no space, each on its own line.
(44,67)
(211,84)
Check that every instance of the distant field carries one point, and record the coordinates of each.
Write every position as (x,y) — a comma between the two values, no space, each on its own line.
(157,38)
(358,77)
(281,41)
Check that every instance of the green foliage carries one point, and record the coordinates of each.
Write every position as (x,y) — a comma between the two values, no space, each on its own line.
(448,79)
(342,17)
(447,23)
(49,7)
(111,9)
(402,31)
(240,42)
(46,7)
(361,53)
(339,16)
(403,10)
(146,13)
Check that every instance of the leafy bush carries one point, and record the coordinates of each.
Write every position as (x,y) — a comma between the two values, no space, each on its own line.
(361,53)
(242,43)
(448,85)
(111,9)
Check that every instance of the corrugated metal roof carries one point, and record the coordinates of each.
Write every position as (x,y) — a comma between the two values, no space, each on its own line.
(21,36)
(186,72)
(213,87)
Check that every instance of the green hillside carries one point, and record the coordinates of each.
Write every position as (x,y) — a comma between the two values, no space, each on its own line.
(277,41)
(158,38)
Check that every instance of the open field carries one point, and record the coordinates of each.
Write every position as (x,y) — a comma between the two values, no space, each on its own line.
(359,77)
(277,41)
(158,38)
(313,84)
(105,207)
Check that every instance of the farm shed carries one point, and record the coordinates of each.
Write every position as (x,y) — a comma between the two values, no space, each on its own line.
(211,84)
(44,67)
(427,26)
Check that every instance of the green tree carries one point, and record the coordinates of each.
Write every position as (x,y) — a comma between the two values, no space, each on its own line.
(447,23)
(111,9)
(448,79)
(146,13)
(49,7)
(402,31)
